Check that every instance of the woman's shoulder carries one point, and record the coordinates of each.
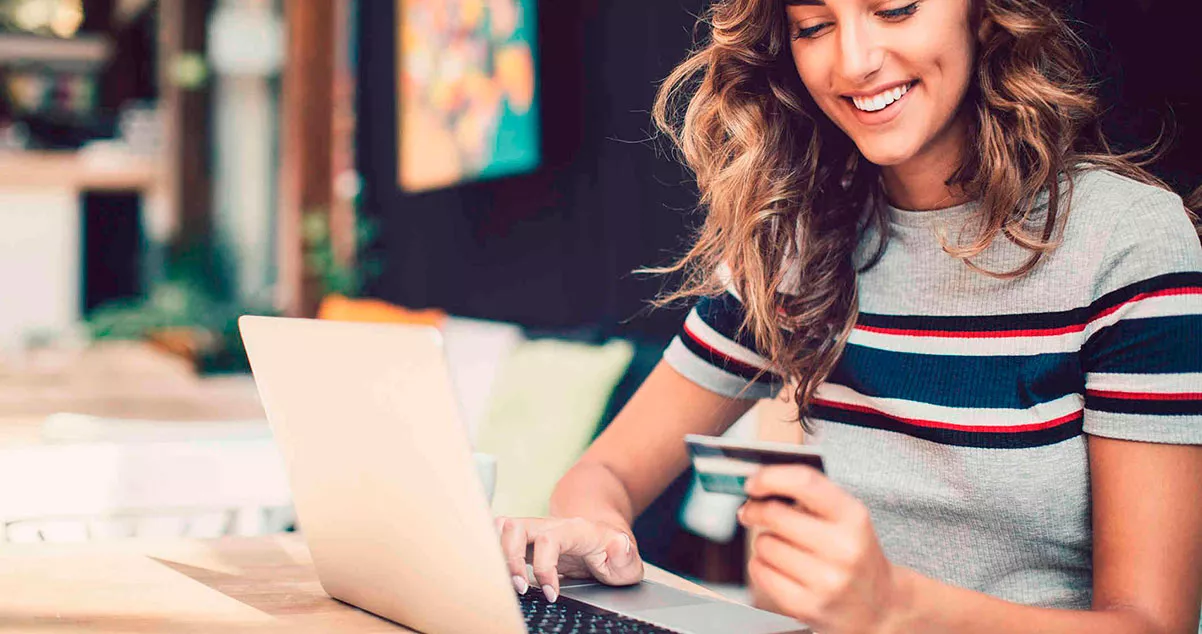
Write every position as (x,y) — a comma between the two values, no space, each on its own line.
(1130,230)
(1104,197)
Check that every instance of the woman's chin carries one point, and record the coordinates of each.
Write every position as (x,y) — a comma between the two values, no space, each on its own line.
(884,156)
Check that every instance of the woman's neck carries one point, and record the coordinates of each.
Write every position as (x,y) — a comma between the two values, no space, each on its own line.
(920,184)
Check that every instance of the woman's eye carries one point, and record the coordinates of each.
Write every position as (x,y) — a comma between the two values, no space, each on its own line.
(810,32)
(899,13)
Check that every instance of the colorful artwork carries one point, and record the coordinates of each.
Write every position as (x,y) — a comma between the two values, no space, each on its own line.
(467,103)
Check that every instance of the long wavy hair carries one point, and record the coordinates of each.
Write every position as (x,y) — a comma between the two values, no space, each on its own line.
(786,193)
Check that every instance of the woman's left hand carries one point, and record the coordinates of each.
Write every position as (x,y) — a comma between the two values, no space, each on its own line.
(819,559)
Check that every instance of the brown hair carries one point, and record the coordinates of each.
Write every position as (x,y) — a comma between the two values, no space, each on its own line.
(780,184)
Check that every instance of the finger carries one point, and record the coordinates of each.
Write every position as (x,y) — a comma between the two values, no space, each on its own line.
(547,548)
(805,486)
(791,524)
(782,591)
(804,568)
(513,545)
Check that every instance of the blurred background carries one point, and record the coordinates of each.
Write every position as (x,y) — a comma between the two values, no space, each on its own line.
(485,166)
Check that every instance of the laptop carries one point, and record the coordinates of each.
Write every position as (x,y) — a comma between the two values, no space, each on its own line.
(390,503)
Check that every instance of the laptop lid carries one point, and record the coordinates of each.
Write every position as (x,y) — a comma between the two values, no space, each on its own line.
(381,471)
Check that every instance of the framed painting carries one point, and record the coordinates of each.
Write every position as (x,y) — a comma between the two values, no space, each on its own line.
(467,103)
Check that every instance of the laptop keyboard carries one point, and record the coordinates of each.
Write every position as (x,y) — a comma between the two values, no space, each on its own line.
(567,616)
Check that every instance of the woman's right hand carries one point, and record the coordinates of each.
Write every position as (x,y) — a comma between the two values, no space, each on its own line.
(572,547)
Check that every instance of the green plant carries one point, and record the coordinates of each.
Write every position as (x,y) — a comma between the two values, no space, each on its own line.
(194,302)
(190,305)
(332,275)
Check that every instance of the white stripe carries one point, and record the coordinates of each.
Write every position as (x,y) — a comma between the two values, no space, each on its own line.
(712,378)
(1167,306)
(968,346)
(1149,383)
(959,416)
(717,341)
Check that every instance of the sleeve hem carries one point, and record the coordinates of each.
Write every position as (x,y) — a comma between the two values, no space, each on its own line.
(1168,430)
(716,380)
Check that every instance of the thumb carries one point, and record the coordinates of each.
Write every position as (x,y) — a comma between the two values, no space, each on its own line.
(618,563)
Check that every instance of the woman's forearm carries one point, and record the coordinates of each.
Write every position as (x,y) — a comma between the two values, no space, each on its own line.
(590,490)
(930,606)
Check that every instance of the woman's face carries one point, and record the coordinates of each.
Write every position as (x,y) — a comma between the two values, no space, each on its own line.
(890,73)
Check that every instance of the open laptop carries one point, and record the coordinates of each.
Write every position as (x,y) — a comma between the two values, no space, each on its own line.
(390,503)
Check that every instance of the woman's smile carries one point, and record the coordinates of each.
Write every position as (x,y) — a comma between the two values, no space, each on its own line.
(880,105)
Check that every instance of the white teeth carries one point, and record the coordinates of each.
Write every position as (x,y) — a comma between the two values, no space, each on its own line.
(880,101)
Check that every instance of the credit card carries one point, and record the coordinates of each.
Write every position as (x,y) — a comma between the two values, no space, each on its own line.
(724,465)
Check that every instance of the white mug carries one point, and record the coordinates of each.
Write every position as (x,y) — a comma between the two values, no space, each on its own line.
(486,469)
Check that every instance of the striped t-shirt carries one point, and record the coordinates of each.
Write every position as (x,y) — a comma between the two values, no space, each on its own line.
(960,408)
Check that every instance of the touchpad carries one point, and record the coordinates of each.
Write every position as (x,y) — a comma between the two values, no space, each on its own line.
(641,596)
(720,617)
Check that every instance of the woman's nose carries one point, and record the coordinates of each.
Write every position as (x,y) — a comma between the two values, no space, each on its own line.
(860,54)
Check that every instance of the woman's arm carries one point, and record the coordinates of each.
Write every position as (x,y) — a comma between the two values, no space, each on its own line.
(1147,507)
(643,450)
(824,566)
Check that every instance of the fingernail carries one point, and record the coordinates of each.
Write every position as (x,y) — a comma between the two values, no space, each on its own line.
(629,545)
(520,584)
(552,595)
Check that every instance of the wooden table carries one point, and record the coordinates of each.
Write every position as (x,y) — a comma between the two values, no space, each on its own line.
(257,584)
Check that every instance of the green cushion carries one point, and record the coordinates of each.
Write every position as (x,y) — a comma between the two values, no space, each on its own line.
(545,406)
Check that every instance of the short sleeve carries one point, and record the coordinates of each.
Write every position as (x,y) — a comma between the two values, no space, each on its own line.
(1142,355)
(711,351)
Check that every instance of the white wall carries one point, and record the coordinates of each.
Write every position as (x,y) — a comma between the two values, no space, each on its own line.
(39,262)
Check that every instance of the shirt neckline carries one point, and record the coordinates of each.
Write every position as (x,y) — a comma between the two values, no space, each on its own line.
(953,214)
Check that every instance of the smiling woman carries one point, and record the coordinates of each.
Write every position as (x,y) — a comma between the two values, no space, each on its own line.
(913,218)
(792,127)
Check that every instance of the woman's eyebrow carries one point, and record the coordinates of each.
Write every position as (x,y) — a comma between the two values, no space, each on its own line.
(805,3)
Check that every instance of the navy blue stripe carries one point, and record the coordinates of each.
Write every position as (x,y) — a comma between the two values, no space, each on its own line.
(733,366)
(725,314)
(978,323)
(1009,382)
(1150,345)
(1150,285)
(955,437)
(1031,321)
(1138,406)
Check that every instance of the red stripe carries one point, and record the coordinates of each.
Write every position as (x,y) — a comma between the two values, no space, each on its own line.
(942,425)
(975,334)
(725,357)
(1146,396)
(1168,292)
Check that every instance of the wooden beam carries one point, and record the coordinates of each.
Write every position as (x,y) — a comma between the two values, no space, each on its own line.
(344,172)
(306,143)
